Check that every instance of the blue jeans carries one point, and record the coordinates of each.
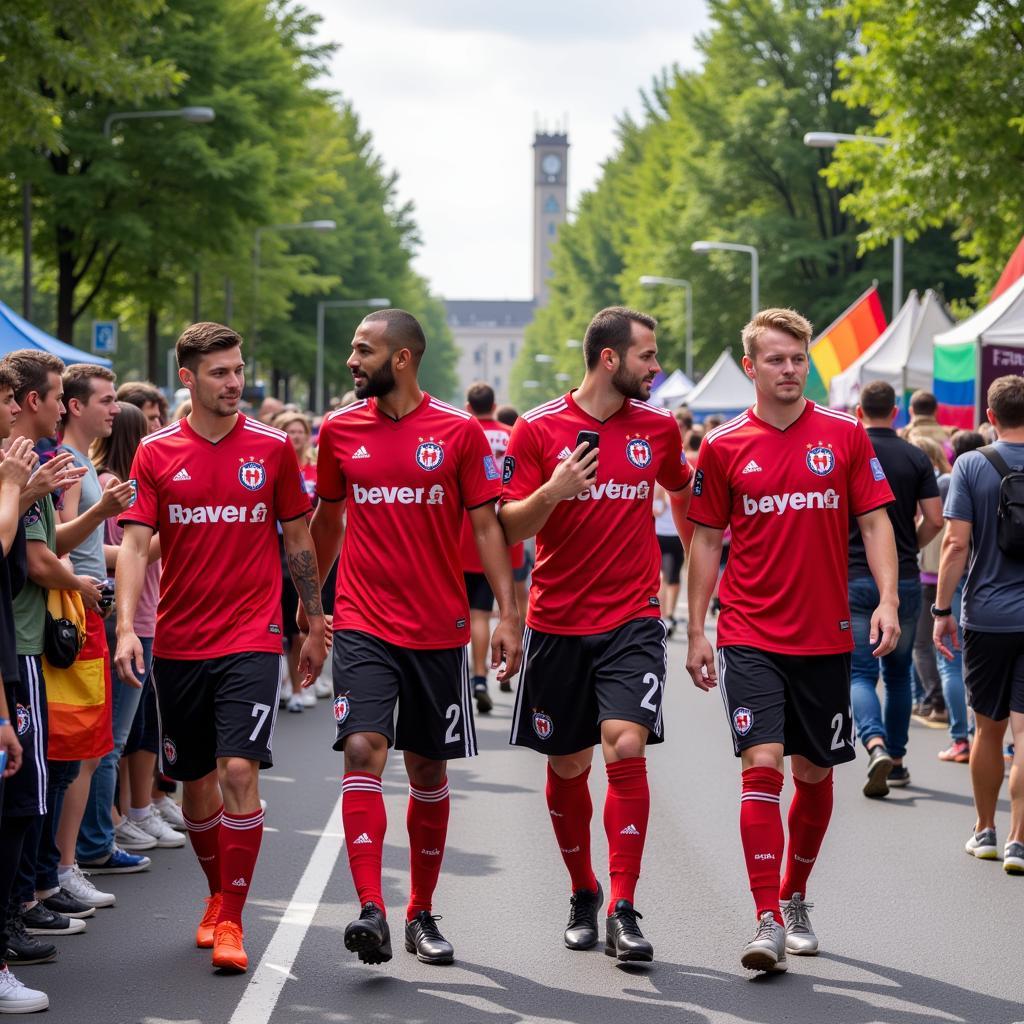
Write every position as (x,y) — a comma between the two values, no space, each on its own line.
(896,668)
(952,675)
(96,836)
(40,857)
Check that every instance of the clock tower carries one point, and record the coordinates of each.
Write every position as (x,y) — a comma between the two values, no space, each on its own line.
(550,195)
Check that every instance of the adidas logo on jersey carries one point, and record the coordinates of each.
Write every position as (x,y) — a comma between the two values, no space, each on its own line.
(240,881)
(565,453)
(751,467)
(362,840)
(630,830)
(778,503)
(361,452)
(182,474)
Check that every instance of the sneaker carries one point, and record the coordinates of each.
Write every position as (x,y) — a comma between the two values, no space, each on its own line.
(983,845)
(800,937)
(879,767)
(204,933)
(23,948)
(484,702)
(154,826)
(129,836)
(228,953)
(169,810)
(581,931)
(766,951)
(1008,754)
(1013,858)
(623,938)
(62,902)
(937,717)
(899,776)
(369,935)
(42,921)
(959,752)
(18,998)
(118,863)
(76,885)
(505,686)
(423,938)
(308,697)
(295,704)
(323,687)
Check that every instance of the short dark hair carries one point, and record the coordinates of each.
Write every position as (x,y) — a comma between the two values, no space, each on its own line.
(480,397)
(877,399)
(201,339)
(32,370)
(506,414)
(403,331)
(140,392)
(923,403)
(964,441)
(78,380)
(8,378)
(612,328)
(1006,400)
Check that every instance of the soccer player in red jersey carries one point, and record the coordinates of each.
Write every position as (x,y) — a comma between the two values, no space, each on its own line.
(785,476)
(595,646)
(215,484)
(480,403)
(404,465)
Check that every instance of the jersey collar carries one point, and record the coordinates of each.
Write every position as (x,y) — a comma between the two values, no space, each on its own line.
(802,418)
(187,428)
(573,404)
(403,419)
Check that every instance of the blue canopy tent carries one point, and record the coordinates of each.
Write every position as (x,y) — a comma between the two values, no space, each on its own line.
(16,332)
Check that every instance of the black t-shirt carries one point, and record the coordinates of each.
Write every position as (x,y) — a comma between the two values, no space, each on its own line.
(13,573)
(912,479)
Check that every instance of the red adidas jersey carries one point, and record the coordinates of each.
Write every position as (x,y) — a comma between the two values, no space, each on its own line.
(598,559)
(406,484)
(497,434)
(216,508)
(788,496)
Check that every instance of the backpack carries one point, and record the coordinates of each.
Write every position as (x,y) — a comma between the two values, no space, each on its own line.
(1010,521)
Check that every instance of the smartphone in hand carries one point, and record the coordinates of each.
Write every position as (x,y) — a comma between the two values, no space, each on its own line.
(591,440)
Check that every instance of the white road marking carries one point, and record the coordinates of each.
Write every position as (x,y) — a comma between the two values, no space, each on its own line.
(264,989)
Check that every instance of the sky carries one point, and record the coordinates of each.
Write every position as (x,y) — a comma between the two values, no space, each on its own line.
(453,90)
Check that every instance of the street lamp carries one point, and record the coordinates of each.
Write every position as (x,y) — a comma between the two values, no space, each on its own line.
(321,307)
(829,140)
(651,281)
(305,225)
(755,282)
(194,115)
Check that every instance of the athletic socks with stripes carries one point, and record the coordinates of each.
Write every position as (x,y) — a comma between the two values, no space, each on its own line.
(240,838)
(204,835)
(763,840)
(627,807)
(427,821)
(364,821)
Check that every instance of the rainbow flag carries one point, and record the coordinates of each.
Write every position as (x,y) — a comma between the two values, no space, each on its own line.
(845,341)
(955,368)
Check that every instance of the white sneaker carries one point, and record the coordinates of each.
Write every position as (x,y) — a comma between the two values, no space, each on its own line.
(323,687)
(17,998)
(308,697)
(83,890)
(129,836)
(296,704)
(155,826)
(766,951)
(169,810)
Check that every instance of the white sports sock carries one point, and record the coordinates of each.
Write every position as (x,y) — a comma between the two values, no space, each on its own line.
(139,813)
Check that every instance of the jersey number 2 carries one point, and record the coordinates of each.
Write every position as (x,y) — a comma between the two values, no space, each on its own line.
(454,713)
(837,736)
(654,682)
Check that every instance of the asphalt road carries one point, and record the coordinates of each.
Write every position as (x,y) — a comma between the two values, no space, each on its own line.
(912,929)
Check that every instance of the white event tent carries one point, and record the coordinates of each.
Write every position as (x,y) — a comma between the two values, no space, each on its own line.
(724,390)
(672,391)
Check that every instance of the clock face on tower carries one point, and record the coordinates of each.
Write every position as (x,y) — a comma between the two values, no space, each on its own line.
(551,164)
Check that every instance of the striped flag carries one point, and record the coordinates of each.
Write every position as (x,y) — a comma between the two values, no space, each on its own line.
(845,340)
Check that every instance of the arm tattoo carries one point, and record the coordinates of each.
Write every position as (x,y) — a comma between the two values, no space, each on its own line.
(302,566)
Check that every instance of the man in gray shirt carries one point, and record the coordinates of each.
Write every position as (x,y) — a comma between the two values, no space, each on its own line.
(992,620)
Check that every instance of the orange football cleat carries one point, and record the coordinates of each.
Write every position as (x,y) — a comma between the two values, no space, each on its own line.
(204,933)
(228,953)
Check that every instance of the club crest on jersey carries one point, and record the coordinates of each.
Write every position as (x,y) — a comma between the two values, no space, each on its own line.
(341,708)
(742,721)
(23,718)
(508,468)
(170,750)
(638,451)
(429,454)
(251,474)
(820,459)
(542,725)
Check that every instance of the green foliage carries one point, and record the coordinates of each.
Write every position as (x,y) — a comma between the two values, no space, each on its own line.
(942,79)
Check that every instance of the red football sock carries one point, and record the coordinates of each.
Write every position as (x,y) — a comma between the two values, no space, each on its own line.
(809,815)
(427,821)
(571,809)
(761,832)
(240,837)
(365,821)
(204,835)
(627,807)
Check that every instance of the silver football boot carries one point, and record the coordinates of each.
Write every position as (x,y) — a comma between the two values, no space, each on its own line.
(766,951)
(800,937)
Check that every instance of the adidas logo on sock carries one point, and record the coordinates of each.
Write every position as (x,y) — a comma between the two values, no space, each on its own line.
(565,453)
(240,881)
(182,474)
(630,830)
(364,838)
(361,453)
(751,467)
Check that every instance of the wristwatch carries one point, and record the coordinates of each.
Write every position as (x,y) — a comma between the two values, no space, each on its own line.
(939,613)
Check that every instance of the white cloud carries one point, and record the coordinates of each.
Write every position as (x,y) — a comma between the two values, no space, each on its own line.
(452,92)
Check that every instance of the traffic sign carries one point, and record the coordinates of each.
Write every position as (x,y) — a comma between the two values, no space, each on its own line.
(104,337)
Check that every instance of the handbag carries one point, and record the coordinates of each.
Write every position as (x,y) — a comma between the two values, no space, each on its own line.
(64,632)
